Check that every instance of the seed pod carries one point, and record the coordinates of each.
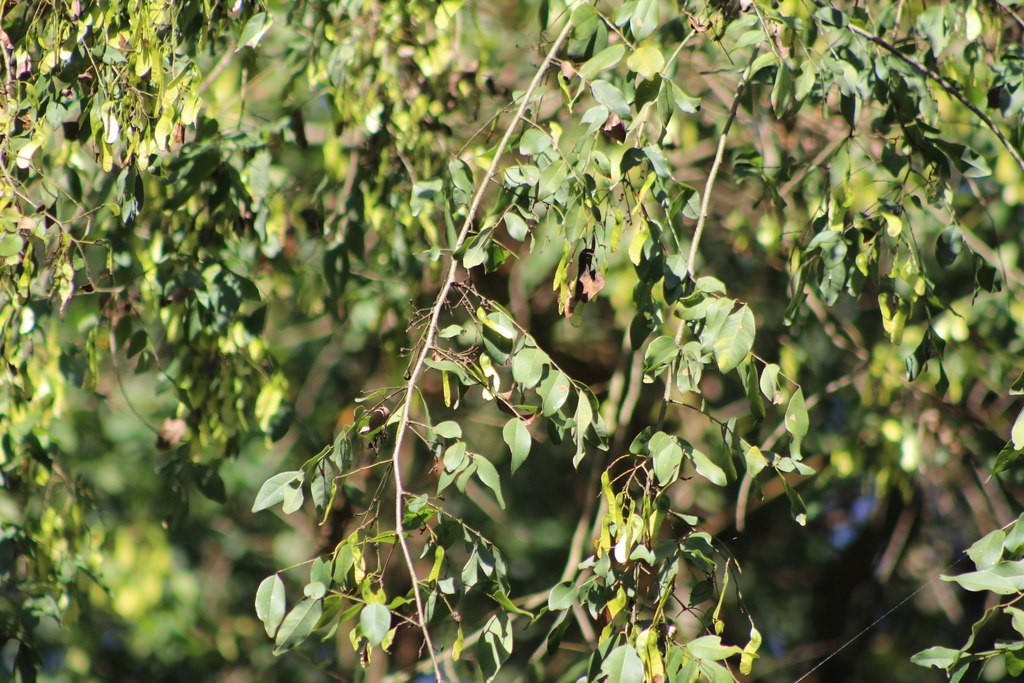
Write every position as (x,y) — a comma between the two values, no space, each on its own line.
(899,321)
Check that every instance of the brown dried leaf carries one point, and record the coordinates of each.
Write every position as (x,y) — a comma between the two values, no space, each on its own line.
(614,128)
(592,283)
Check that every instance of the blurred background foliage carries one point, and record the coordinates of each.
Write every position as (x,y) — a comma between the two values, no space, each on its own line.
(220,229)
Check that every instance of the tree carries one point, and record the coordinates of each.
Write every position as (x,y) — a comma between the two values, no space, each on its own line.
(636,340)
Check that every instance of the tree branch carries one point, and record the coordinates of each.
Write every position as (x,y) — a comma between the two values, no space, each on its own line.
(705,202)
(706,199)
(429,336)
(946,85)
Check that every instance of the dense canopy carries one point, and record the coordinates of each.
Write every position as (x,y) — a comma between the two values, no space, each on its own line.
(659,340)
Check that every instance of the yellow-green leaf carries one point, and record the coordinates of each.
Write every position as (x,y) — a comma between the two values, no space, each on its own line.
(646,61)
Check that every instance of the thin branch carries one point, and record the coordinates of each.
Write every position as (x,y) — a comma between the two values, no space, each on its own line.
(705,202)
(430,333)
(744,493)
(1016,17)
(706,199)
(946,85)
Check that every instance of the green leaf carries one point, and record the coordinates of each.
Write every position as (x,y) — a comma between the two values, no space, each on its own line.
(932,24)
(939,657)
(988,550)
(322,487)
(832,17)
(551,178)
(636,245)
(494,646)
(534,141)
(660,354)
(517,435)
(710,649)
(973,165)
(668,456)
(755,461)
(657,159)
(448,430)
(646,61)
(454,457)
(562,596)
(770,383)
(644,20)
(1017,432)
(589,33)
(315,590)
(753,391)
(423,192)
(343,561)
(1017,388)
(375,622)
(293,497)
(254,29)
(623,665)
(1017,616)
(804,83)
(605,59)
(796,503)
(1006,458)
(297,626)
(554,390)
(611,97)
(279,487)
(1005,578)
(11,244)
(708,469)
(557,632)
(948,246)
(1014,540)
(452,367)
(796,421)
(1014,663)
(476,249)
(270,603)
(528,366)
(516,226)
(783,92)
(489,476)
(686,104)
(735,339)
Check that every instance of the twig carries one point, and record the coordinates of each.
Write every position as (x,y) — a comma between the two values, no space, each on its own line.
(429,337)
(705,202)
(769,443)
(706,199)
(1009,11)
(216,71)
(946,85)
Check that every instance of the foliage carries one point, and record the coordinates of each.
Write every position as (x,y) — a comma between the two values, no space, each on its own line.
(997,557)
(557,293)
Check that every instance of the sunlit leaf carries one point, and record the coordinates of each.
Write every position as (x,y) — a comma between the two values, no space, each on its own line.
(517,435)
(277,489)
(297,625)
(254,30)
(270,603)
(796,420)
(735,339)
(624,665)
(375,620)
(646,61)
